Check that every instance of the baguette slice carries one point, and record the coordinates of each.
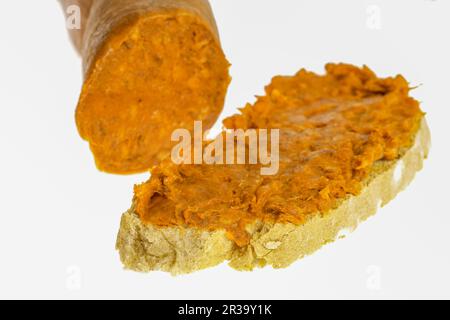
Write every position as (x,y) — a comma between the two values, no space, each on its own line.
(180,250)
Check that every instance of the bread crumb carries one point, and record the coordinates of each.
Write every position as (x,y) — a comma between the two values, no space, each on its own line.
(344,233)
(398,173)
(272,245)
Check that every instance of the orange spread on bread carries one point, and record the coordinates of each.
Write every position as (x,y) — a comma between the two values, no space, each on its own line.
(333,129)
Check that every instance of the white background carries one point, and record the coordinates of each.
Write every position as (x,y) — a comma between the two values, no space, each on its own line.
(59,216)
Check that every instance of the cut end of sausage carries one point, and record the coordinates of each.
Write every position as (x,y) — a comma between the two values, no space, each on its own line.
(159,73)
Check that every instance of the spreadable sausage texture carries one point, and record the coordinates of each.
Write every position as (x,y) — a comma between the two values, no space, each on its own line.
(334,129)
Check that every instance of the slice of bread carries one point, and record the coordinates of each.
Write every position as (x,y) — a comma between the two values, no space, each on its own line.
(349,143)
(180,250)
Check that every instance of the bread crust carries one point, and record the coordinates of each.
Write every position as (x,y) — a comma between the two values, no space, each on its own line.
(179,250)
